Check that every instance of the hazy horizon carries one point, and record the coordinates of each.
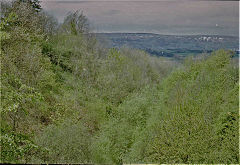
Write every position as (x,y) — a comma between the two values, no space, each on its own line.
(169,17)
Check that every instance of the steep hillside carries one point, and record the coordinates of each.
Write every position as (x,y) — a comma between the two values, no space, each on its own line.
(67,99)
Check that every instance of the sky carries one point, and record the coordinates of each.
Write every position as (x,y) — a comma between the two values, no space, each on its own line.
(179,17)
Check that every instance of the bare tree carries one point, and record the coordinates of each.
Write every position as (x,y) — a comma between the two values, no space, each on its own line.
(75,23)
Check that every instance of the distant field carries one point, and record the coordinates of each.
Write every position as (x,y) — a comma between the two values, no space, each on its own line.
(170,45)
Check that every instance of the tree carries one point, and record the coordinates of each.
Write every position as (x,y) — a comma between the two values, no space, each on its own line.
(76,23)
(49,24)
(34,3)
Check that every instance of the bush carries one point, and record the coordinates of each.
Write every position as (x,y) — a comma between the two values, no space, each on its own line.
(67,143)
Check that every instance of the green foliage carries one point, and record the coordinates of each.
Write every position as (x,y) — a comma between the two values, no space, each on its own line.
(194,100)
(16,97)
(18,148)
(113,143)
(125,71)
(65,99)
(27,80)
(192,117)
(67,143)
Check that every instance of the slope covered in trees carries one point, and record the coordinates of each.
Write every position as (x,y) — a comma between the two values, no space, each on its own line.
(67,99)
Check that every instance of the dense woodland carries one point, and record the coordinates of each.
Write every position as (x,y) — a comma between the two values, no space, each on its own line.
(67,99)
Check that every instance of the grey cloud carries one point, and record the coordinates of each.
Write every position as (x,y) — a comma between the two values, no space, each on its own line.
(185,17)
(112,12)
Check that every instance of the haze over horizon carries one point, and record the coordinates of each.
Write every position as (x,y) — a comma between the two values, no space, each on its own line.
(185,17)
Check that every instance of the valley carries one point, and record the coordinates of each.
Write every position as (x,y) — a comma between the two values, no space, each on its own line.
(178,46)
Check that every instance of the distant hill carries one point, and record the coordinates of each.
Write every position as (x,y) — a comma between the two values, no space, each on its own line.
(170,45)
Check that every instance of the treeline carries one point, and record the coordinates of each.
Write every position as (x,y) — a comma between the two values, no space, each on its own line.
(173,52)
(180,53)
(67,99)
